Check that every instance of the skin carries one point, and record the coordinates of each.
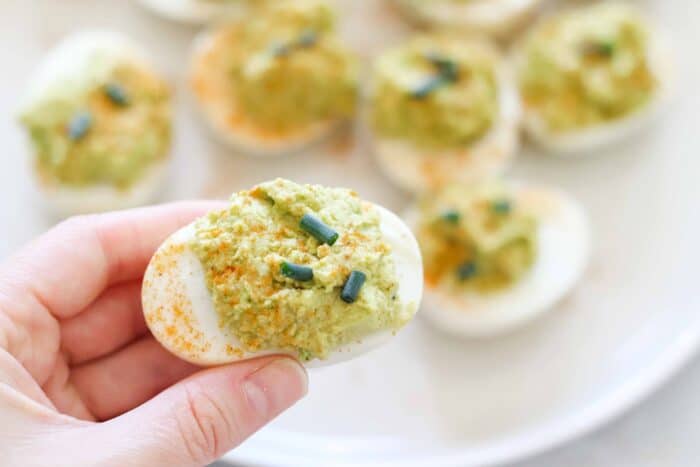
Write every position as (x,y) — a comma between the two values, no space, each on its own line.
(83,383)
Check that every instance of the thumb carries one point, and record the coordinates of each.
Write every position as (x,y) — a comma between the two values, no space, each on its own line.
(196,421)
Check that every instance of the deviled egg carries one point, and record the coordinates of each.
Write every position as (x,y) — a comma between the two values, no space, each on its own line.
(591,76)
(311,271)
(499,18)
(200,11)
(497,255)
(99,124)
(277,82)
(443,109)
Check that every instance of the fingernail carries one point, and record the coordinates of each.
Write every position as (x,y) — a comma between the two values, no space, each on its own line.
(275,387)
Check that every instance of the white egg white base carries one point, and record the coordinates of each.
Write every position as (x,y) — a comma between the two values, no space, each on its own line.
(416,170)
(585,141)
(563,250)
(215,115)
(64,201)
(175,279)
(191,11)
(498,18)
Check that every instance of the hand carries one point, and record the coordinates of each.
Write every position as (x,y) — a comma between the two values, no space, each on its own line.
(83,383)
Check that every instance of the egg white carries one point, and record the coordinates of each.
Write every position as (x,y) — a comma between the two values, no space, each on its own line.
(405,164)
(192,11)
(66,69)
(498,18)
(180,312)
(584,141)
(563,250)
(215,113)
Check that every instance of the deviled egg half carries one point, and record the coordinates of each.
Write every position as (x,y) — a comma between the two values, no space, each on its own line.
(497,255)
(306,270)
(499,18)
(443,109)
(200,11)
(277,82)
(99,123)
(591,76)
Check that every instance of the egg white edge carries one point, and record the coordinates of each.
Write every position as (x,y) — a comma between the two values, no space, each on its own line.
(401,161)
(243,141)
(498,18)
(580,143)
(408,264)
(190,11)
(562,239)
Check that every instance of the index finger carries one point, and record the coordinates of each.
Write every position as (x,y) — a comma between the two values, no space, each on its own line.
(68,267)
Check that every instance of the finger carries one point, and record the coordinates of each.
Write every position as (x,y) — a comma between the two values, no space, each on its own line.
(106,325)
(112,385)
(70,266)
(196,421)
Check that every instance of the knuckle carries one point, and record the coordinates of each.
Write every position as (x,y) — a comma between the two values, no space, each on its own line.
(203,426)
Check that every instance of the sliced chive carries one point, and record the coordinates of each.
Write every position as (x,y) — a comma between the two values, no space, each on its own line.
(602,48)
(297,272)
(502,206)
(318,229)
(446,67)
(117,94)
(79,125)
(424,89)
(307,38)
(452,216)
(280,50)
(466,270)
(352,286)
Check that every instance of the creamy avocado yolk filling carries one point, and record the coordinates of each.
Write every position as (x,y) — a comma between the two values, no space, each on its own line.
(475,238)
(288,70)
(110,133)
(587,67)
(435,92)
(247,250)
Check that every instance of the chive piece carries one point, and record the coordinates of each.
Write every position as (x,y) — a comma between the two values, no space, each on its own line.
(297,272)
(466,270)
(445,66)
(117,94)
(318,229)
(80,125)
(307,38)
(280,50)
(602,48)
(452,216)
(426,87)
(352,286)
(502,206)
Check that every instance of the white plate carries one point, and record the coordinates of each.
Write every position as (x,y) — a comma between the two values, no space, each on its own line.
(426,399)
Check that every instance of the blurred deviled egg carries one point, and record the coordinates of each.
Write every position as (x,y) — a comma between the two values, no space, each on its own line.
(99,124)
(200,11)
(499,18)
(276,82)
(497,255)
(311,271)
(443,109)
(590,77)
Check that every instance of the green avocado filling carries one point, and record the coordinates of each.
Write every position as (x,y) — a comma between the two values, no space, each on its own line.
(587,67)
(277,286)
(435,92)
(475,238)
(288,68)
(108,130)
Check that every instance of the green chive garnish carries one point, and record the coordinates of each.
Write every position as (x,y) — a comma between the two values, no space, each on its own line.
(426,87)
(602,48)
(117,94)
(466,270)
(80,125)
(502,206)
(318,229)
(452,216)
(307,38)
(447,72)
(297,272)
(352,286)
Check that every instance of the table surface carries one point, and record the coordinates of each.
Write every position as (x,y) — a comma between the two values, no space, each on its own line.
(662,431)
